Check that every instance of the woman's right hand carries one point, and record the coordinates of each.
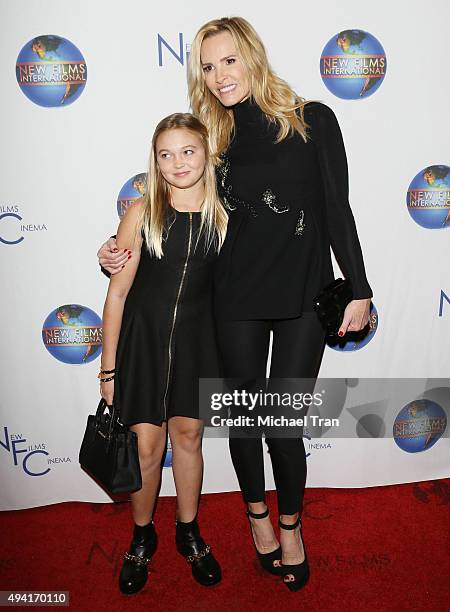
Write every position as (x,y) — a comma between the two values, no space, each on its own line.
(107,391)
(111,258)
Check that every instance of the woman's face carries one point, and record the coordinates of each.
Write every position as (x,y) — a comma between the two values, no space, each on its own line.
(225,74)
(181,157)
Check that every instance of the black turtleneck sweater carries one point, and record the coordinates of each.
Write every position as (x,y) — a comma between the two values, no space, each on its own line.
(287,203)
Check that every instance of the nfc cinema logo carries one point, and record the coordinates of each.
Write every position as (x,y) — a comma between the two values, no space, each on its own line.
(443,297)
(13,228)
(180,52)
(24,455)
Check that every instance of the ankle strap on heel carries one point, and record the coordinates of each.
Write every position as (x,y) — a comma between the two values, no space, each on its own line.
(289,527)
(260,515)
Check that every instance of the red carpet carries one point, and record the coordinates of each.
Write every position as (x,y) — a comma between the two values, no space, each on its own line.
(383,548)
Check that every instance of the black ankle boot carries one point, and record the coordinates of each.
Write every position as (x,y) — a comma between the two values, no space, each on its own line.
(191,545)
(134,573)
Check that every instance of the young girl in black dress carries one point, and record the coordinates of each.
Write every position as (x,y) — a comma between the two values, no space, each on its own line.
(159,335)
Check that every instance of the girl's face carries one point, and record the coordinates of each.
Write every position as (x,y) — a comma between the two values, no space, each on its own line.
(225,74)
(181,157)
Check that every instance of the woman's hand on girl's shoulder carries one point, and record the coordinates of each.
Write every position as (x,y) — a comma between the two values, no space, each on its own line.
(356,316)
(110,257)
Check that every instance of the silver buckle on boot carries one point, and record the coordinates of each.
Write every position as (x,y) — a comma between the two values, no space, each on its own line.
(200,555)
(136,559)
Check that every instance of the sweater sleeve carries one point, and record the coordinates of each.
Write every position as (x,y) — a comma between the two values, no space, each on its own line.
(344,240)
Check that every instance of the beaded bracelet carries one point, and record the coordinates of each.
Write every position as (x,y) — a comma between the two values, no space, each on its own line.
(107,379)
(113,372)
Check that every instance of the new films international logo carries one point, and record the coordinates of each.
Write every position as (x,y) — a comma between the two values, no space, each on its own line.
(73,334)
(51,71)
(428,197)
(131,191)
(419,425)
(353,64)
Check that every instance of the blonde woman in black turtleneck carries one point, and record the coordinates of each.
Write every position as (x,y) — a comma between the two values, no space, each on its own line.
(282,176)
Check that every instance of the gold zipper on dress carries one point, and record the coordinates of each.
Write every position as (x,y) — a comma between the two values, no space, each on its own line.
(175,313)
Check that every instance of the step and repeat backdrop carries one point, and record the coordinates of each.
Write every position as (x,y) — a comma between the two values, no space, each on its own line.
(83,87)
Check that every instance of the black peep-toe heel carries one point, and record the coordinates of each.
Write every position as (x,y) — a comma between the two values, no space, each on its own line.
(266,559)
(300,571)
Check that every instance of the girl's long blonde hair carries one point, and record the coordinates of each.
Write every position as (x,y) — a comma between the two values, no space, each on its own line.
(156,205)
(272,94)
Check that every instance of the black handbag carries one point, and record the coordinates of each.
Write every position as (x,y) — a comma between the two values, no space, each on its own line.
(331,302)
(109,451)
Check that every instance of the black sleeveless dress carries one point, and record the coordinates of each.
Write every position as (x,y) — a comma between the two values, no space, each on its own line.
(168,337)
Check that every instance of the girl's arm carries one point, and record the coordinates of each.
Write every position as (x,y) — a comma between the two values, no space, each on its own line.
(128,238)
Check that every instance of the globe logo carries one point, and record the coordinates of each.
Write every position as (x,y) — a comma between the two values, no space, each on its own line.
(353,64)
(168,457)
(419,425)
(428,197)
(353,341)
(51,71)
(73,334)
(133,189)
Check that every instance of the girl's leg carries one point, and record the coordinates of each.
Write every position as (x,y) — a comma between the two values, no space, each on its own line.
(187,464)
(151,446)
(244,346)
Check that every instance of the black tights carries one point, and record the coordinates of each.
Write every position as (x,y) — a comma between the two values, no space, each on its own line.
(297,351)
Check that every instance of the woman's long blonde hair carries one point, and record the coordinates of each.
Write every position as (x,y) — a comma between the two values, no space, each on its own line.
(272,94)
(156,207)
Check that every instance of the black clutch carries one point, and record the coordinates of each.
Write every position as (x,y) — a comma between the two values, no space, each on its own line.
(109,451)
(331,302)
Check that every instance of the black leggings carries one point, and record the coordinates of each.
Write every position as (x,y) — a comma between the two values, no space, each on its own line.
(297,351)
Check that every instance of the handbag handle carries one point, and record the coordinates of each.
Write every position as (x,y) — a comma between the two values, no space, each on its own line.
(114,416)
